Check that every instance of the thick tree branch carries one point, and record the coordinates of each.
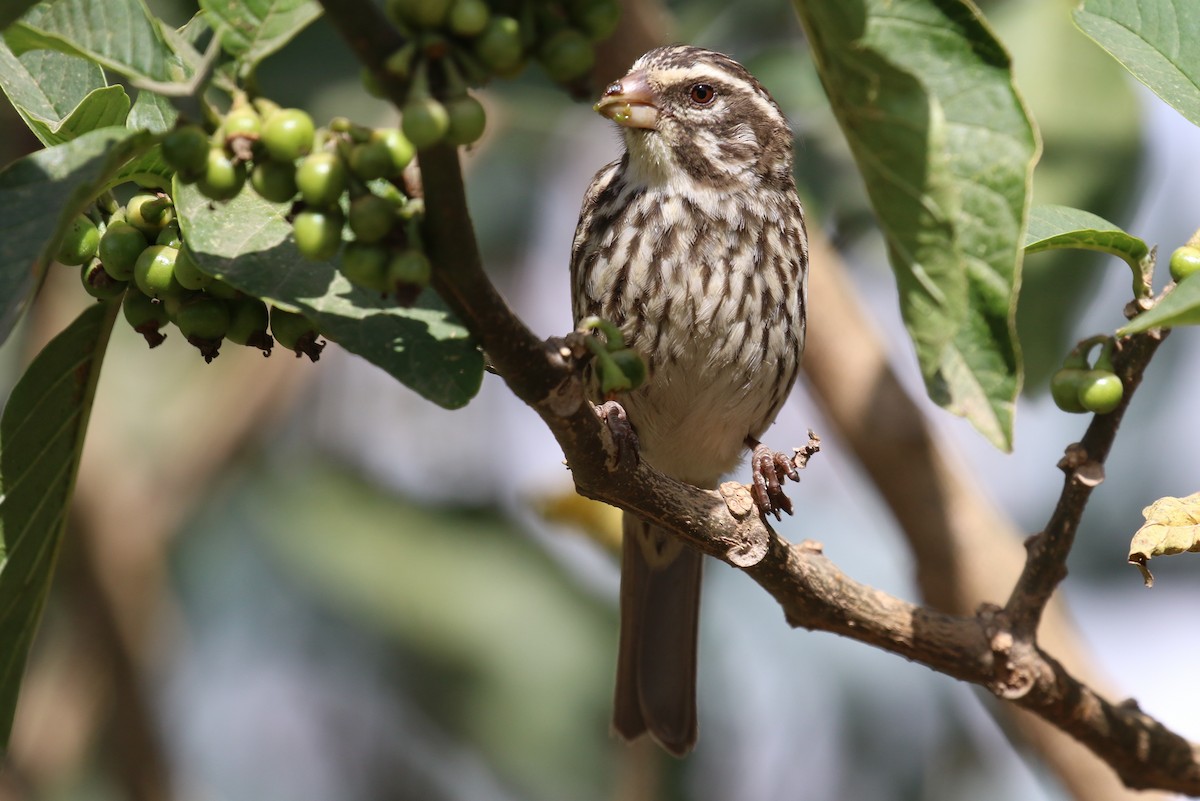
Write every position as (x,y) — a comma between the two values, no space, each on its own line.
(982,648)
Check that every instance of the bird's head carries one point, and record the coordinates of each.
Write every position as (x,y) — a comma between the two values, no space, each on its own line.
(694,113)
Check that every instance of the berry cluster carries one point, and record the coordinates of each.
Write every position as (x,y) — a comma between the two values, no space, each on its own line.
(1080,388)
(136,252)
(454,44)
(344,175)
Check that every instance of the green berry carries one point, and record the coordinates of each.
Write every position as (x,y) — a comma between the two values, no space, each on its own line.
(294,332)
(400,149)
(187,273)
(408,273)
(424,122)
(631,365)
(597,18)
(220,289)
(371,217)
(154,272)
(1184,262)
(467,120)
(420,14)
(318,233)
(1064,389)
(499,45)
(223,176)
(120,247)
(567,55)
(371,83)
(366,266)
(185,150)
(370,160)
(204,318)
(321,178)
(99,284)
(244,122)
(1100,391)
(468,17)
(149,213)
(288,134)
(248,321)
(170,236)
(146,316)
(274,181)
(80,242)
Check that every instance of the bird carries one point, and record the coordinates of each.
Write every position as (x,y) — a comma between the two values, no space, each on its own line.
(692,243)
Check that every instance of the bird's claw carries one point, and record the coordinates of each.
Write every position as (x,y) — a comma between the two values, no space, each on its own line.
(624,438)
(769,470)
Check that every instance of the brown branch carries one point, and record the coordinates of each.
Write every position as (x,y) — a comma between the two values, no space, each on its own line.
(1046,552)
(983,648)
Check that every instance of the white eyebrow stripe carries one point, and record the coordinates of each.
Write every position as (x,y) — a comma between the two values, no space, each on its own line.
(699,72)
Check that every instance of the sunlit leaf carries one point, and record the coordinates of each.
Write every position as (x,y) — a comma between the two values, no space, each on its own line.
(253,29)
(120,35)
(60,96)
(1172,526)
(1155,40)
(1180,307)
(924,94)
(40,195)
(1055,227)
(247,243)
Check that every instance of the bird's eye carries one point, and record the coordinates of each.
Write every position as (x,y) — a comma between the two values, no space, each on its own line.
(702,94)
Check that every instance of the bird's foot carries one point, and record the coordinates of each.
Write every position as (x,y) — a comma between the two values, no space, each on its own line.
(770,470)
(624,439)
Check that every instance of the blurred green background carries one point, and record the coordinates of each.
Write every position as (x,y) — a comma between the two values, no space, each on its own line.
(294,581)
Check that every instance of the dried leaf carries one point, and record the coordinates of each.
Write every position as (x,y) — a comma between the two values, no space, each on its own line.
(1172,526)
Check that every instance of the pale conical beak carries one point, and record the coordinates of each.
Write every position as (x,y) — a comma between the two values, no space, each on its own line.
(629,102)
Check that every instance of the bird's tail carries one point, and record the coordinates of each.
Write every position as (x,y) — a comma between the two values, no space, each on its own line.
(660,613)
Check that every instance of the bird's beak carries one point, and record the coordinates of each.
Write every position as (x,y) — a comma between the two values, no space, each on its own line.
(629,102)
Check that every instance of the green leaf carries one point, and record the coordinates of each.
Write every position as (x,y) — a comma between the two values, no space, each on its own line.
(253,29)
(924,94)
(120,35)
(1058,227)
(41,436)
(1180,307)
(59,96)
(1153,39)
(152,112)
(40,195)
(247,242)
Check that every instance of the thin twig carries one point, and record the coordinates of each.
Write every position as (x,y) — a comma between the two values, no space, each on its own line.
(1083,463)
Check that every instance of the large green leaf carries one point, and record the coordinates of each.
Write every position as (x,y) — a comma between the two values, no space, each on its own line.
(247,242)
(40,195)
(253,29)
(1155,40)
(41,436)
(924,94)
(60,96)
(120,35)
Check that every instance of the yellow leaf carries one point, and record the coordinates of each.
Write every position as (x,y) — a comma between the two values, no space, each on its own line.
(1172,526)
(598,521)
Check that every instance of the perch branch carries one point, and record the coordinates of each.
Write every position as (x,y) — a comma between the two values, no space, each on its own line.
(981,648)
